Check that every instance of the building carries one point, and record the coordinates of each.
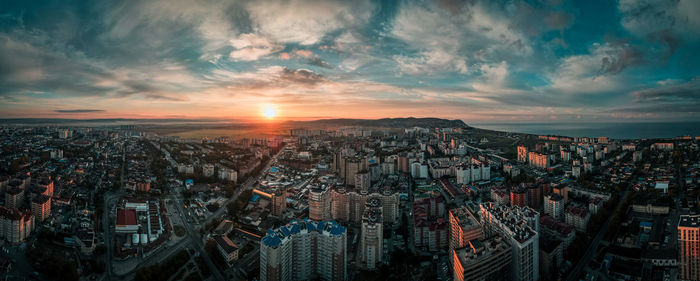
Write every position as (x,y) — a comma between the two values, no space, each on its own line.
(430,229)
(538,160)
(227,249)
(689,247)
(372,236)
(554,206)
(463,228)
(319,203)
(519,226)
(522,154)
(207,170)
(551,256)
(518,197)
(578,217)
(348,206)
(362,181)
(15,226)
(551,229)
(304,250)
(278,202)
(227,174)
(126,221)
(534,196)
(41,207)
(13,197)
(482,260)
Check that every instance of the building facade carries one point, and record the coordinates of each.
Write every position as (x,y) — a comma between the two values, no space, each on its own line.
(304,250)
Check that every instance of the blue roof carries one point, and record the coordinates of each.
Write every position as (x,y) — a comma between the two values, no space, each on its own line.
(189,181)
(255,198)
(274,237)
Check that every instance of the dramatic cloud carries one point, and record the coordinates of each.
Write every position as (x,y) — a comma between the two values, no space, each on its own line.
(79,110)
(477,59)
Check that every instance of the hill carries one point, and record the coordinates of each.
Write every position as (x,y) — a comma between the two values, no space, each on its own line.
(385,122)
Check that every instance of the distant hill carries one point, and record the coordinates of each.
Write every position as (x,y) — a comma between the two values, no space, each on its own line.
(385,122)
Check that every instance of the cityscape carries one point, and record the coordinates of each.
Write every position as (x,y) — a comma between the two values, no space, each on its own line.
(280,140)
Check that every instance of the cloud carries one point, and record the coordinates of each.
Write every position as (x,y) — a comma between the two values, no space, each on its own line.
(444,38)
(320,63)
(676,93)
(618,56)
(665,21)
(249,47)
(594,72)
(79,110)
(306,22)
(300,76)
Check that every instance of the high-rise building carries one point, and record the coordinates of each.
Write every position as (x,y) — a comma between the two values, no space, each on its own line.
(534,196)
(15,226)
(372,236)
(430,229)
(278,202)
(522,154)
(554,206)
(518,197)
(519,226)
(482,260)
(689,247)
(348,206)
(578,217)
(562,190)
(319,203)
(362,181)
(207,170)
(41,207)
(304,250)
(538,160)
(13,197)
(463,228)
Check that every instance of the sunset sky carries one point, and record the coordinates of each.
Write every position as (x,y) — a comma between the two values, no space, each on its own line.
(479,61)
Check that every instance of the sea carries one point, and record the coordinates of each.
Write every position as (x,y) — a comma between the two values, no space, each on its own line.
(645,130)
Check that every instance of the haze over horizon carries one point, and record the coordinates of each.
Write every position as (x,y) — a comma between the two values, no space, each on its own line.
(477,61)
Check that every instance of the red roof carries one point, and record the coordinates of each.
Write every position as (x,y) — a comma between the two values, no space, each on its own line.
(126,217)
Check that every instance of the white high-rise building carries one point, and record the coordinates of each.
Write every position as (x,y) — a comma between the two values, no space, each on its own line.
(372,239)
(554,206)
(520,226)
(304,250)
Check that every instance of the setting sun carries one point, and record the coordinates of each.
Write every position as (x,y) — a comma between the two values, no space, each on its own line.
(269,112)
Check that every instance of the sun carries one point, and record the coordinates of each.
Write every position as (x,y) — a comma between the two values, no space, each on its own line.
(269,112)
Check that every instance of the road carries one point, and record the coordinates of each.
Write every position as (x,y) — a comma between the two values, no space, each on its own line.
(111,198)
(192,237)
(248,184)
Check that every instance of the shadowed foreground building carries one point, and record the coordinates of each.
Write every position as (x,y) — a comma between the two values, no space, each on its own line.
(304,250)
(689,247)
(463,228)
(482,260)
(518,226)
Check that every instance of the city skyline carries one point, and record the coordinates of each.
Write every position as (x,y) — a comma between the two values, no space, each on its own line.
(478,61)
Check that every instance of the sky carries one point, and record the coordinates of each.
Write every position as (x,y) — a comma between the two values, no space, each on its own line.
(479,61)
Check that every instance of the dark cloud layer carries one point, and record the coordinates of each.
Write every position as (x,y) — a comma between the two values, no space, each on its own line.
(79,110)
